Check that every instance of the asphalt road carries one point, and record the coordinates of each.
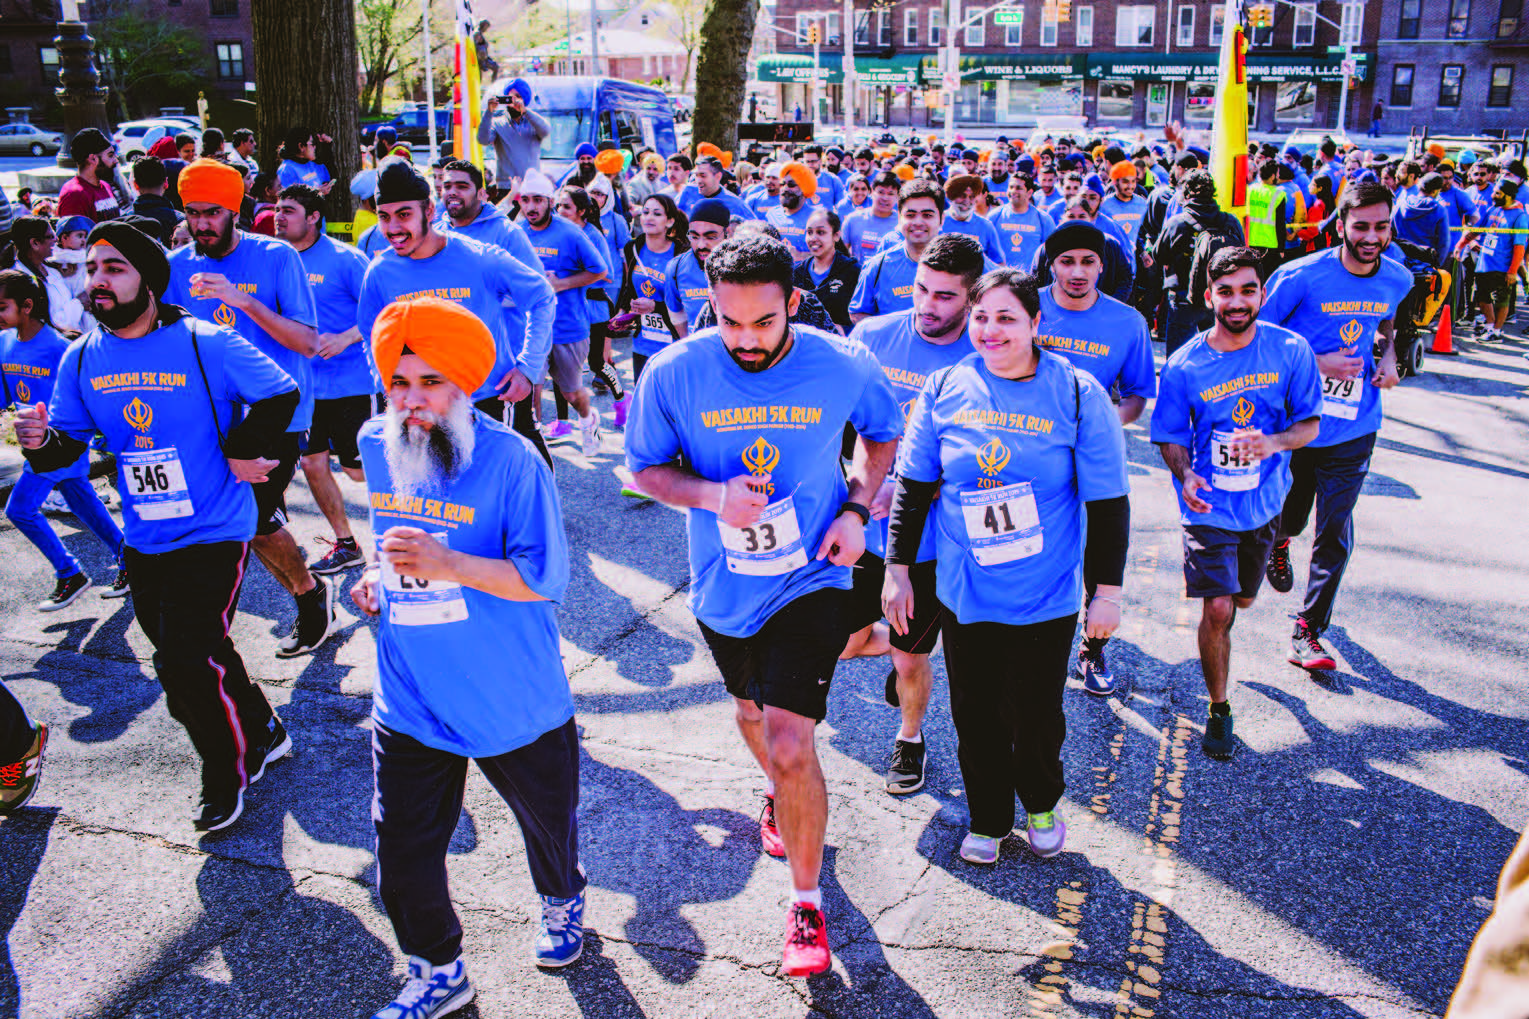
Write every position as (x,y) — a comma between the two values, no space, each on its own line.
(1338,868)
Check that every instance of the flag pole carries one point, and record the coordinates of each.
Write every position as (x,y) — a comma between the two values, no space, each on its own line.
(429,80)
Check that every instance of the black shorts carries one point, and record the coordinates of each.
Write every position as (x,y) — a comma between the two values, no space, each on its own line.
(271,494)
(1219,562)
(1493,288)
(865,604)
(789,663)
(336,423)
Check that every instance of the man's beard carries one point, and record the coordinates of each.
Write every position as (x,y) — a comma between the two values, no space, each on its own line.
(420,458)
(217,248)
(121,313)
(790,200)
(1248,322)
(771,356)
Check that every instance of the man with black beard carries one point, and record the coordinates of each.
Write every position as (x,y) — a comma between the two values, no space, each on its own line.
(257,286)
(189,408)
(741,425)
(471,560)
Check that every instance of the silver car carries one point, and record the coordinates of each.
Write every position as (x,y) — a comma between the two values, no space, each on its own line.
(28,140)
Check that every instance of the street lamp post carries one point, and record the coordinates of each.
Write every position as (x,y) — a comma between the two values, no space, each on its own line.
(847,28)
(80,92)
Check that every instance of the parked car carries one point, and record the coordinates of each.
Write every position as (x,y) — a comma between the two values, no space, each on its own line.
(28,139)
(134,138)
(412,127)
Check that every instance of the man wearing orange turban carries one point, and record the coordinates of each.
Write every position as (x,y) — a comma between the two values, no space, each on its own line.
(256,286)
(471,560)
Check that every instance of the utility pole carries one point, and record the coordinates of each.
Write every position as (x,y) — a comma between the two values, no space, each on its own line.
(817,62)
(952,76)
(429,80)
(594,38)
(848,30)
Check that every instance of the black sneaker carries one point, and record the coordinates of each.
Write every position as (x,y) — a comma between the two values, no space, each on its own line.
(119,588)
(1278,569)
(906,773)
(18,781)
(342,556)
(891,692)
(218,809)
(64,592)
(1218,742)
(315,621)
(275,745)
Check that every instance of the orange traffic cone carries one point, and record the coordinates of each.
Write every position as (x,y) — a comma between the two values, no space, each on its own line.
(1444,335)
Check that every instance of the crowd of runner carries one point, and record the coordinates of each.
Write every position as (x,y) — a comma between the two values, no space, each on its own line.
(889,386)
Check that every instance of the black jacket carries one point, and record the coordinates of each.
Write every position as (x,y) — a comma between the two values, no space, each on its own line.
(835,290)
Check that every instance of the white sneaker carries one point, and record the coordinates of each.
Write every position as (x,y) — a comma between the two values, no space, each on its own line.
(432,991)
(589,433)
(979,849)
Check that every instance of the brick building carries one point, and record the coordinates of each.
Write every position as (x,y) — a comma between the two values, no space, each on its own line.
(1118,64)
(1457,66)
(29,63)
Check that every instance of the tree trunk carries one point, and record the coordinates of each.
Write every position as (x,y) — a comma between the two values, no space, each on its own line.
(305,71)
(722,72)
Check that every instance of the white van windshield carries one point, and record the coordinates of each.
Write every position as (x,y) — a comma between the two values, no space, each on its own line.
(569,128)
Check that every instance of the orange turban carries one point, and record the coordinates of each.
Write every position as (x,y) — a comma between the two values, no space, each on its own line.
(904,171)
(1124,168)
(207,180)
(803,177)
(451,339)
(610,161)
(708,149)
(1435,149)
(727,160)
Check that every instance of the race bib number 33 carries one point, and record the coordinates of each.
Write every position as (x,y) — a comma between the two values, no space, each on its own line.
(769,547)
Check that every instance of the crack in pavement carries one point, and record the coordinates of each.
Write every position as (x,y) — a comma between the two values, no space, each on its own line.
(597,654)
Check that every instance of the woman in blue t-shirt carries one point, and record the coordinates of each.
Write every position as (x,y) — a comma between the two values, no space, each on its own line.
(829,271)
(646,259)
(1017,443)
(299,162)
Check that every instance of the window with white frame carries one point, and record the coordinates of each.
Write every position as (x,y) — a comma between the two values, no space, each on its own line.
(884,28)
(976,32)
(835,35)
(1185,36)
(1352,23)
(936,26)
(862,28)
(1217,25)
(1305,25)
(910,27)
(803,22)
(1134,25)
(1083,25)
(1013,35)
(1049,27)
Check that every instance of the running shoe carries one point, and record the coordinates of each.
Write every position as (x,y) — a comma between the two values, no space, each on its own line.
(64,592)
(273,745)
(1218,742)
(562,937)
(1095,673)
(219,808)
(769,834)
(1046,833)
(315,621)
(558,430)
(806,950)
(979,849)
(1307,651)
(18,781)
(119,588)
(589,434)
(431,991)
(891,691)
(622,406)
(1281,578)
(341,556)
(906,773)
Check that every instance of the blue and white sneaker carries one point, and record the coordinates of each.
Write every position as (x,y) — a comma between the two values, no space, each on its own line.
(562,936)
(1095,673)
(431,991)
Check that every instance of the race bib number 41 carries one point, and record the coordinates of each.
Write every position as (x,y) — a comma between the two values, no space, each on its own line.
(1340,397)
(1002,524)
(769,547)
(156,483)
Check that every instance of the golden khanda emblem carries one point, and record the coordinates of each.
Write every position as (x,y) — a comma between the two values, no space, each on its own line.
(908,409)
(23,394)
(993,457)
(1351,332)
(1243,412)
(224,316)
(139,414)
(761,457)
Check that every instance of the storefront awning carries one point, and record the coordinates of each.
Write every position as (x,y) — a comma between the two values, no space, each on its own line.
(1008,67)
(1205,66)
(797,67)
(1307,67)
(901,69)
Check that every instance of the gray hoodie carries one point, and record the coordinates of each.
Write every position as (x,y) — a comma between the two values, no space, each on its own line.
(517,143)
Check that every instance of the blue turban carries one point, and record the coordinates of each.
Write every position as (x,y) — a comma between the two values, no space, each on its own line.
(521,86)
(585,149)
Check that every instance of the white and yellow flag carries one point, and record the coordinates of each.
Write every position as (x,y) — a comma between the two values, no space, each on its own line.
(465,99)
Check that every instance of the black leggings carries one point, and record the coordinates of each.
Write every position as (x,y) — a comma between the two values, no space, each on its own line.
(523,422)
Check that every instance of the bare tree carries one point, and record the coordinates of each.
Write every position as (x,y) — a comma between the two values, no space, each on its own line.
(305,62)
(722,74)
(387,32)
(682,21)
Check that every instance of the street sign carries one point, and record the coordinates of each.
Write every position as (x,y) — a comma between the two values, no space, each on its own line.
(1337,49)
(1009,18)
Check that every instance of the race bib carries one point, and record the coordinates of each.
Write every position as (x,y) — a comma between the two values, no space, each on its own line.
(1227,472)
(413,601)
(106,205)
(1002,524)
(654,330)
(769,547)
(1340,397)
(155,483)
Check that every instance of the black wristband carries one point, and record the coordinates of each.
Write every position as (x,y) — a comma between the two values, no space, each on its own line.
(860,511)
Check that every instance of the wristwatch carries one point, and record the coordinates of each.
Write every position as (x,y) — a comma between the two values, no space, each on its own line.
(860,511)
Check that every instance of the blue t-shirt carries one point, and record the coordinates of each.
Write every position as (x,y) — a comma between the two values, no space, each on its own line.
(1336,310)
(1207,395)
(788,421)
(489,680)
(761,200)
(28,369)
(1110,341)
(848,207)
(491,226)
(886,284)
(372,241)
(650,277)
(269,270)
(483,279)
(312,173)
(1021,233)
(975,432)
(985,233)
(830,190)
(335,272)
(1505,230)
(1126,215)
(907,360)
(602,245)
(1458,204)
(692,194)
(687,289)
(565,249)
(863,232)
(148,398)
(792,225)
(617,234)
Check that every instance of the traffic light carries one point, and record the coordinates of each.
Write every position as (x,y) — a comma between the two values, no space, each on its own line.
(814,35)
(1063,11)
(1261,16)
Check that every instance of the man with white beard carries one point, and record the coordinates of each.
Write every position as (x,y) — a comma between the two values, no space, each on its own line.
(471,560)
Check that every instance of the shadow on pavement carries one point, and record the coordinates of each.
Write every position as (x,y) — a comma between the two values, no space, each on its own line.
(25,836)
(84,673)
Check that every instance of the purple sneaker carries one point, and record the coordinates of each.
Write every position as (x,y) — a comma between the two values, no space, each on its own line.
(558,430)
(621,407)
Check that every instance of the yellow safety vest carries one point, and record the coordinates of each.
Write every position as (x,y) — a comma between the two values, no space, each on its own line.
(1263,199)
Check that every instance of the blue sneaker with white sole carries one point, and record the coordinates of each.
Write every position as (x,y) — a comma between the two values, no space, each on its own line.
(562,936)
(1095,673)
(431,991)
